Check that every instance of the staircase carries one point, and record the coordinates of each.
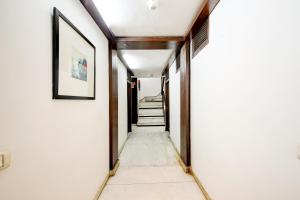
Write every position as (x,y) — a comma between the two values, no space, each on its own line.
(151,112)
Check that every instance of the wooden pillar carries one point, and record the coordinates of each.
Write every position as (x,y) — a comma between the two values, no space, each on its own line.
(185,147)
(113,108)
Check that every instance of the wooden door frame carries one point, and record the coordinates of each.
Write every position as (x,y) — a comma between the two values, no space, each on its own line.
(185,138)
(167,105)
(134,100)
(129,106)
(113,108)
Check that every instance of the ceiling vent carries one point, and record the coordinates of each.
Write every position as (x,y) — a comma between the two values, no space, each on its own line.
(200,37)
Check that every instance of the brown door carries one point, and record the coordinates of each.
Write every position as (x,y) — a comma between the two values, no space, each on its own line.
(134,101)
(167,107)
(129,107)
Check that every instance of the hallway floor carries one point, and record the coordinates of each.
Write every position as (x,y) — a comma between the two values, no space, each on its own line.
(149,170)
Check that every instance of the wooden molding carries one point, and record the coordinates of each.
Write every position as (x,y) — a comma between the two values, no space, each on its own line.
(200,185)
(150,39)
(130,43)
(185,168)
(185,139)
(93,11)
(101,188)
(113,108)
(114,170)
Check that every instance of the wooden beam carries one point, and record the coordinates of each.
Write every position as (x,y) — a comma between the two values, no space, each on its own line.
(130,43)
(150,39)
(113,108)
(93,11)
(185,140)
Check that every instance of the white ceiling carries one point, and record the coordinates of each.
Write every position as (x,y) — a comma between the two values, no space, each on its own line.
(134,18)
(147,63)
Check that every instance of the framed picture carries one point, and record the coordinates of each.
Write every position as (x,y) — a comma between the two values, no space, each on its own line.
(74,61)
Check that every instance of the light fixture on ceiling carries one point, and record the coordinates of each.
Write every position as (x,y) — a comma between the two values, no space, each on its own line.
(152,4)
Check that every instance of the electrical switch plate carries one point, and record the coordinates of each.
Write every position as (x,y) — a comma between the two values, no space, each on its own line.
(1,161)
(4,160)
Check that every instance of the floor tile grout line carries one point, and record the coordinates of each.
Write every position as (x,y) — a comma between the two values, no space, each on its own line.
(151,183)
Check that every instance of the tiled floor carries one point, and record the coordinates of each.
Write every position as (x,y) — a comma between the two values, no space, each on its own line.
(149,170)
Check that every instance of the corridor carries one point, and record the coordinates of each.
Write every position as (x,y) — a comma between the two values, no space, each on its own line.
(150,100)
(149,170)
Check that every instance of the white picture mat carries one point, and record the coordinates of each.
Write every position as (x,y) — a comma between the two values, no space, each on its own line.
(69,39)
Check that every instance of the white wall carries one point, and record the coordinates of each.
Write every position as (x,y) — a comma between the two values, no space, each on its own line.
(149,87)
(174,95)
(245,94)
(59,147)
(122,104)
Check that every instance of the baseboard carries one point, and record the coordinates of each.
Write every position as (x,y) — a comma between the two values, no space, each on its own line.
(189,170)
(203,190)
(114,170)
(101,188)
(185,168)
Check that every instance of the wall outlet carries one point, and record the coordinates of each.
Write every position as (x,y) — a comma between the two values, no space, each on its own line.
(4,160)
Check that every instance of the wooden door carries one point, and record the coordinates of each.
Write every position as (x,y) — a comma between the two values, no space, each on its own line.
(129,107)
(134,104)
(167,106)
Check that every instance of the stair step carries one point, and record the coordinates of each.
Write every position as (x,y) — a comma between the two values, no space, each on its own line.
(150,104)
(154,100)
(153,115)
(150,107)
(150,112)
(150,124)
(151,120)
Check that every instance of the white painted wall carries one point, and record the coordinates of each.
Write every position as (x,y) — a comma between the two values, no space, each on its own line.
(149,87)
(59,147)
(122,104)
(245,94)
(174,92)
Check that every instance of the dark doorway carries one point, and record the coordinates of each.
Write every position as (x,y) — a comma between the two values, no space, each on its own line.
(134,104)
(129,106)
(167,106)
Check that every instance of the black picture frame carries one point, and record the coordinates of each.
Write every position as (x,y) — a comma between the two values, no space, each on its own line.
(56,16)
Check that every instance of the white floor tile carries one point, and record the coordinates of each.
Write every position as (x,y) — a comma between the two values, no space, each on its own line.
(149,170)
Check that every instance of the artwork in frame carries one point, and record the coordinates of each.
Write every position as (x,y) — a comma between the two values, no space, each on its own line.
(74,61)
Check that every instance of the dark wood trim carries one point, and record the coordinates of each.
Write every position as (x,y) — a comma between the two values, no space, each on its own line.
(150,39)
(185,143)
(113,108)
(130,43)
(134,101)
(129,107)
(167,105)
(93,11)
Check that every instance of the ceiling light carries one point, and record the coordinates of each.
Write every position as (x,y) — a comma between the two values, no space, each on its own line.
(152,4)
